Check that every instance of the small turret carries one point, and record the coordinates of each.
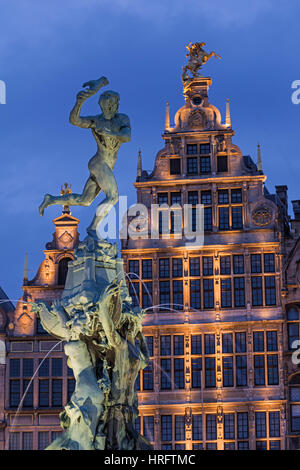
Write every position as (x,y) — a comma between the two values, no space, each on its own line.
(139,166)
(259,161)
(167,121)
(228,117)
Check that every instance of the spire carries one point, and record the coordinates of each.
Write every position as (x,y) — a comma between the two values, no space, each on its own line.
(167,121)
(228,117)
(139,165)
(25,277)
(259,162)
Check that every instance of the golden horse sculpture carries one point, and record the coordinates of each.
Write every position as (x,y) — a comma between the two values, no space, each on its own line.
(197,57)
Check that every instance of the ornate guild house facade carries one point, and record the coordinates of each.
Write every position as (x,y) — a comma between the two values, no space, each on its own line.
(221,317)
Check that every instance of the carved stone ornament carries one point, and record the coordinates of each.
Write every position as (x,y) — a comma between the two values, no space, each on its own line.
(262,215)
(197,120)
(66,238)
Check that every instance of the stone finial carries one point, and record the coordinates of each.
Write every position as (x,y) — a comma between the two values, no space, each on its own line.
(228,117)
(139,165)
(167,121)
(259,162)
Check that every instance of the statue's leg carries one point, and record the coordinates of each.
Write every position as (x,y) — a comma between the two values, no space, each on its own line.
(90,191)
(106,178)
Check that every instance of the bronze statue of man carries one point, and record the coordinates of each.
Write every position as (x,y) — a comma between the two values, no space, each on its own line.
(110,129)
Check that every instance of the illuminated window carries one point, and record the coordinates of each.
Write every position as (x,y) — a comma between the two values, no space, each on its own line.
(164,267)
(236,195)
(179,378)
(269,263)
(208,293)
(239,292)
(177,267)
(193,197)
(192,166)
(241,371)
(240,342)
(179,428)
(148,425)
(211,427)
(210,372)
(229,426)
(242,425)
(147,268)
(228,371)
(196,372)
(134,268)
(164,294)
(166,427)
(257,294)
(226,301)
(238,264)
(224,218)
(178,343)
(209,341)
(191,149)
(43,440)
(197,427)
(177,295)
(227,343)
(165,345)
(205,166)
(270,290)
(165,374)
(260,424)
(204,149)
(27,441)
(147,300)
(14,441)
(148,377)
(134,292)
(195,293)
(225,265)
(194,266)
(196,345)
(256,263)
(259,370)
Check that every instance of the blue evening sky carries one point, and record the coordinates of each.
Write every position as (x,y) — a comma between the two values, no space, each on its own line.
(48,49)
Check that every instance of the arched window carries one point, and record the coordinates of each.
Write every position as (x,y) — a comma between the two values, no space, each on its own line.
(63,270)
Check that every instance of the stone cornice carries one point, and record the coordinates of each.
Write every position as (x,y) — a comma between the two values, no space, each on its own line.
(216,179)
